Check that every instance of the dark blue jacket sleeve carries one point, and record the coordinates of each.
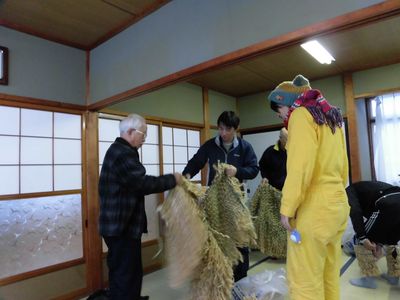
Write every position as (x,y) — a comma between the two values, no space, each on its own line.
(197,162)
(249,169)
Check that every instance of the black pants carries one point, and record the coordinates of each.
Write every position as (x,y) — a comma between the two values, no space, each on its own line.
(240,270)
(384,225)
(125,270)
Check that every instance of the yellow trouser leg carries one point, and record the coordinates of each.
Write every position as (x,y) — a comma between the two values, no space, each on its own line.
(314,265)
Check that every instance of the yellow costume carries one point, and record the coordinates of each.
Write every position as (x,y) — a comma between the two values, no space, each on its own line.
(314,197)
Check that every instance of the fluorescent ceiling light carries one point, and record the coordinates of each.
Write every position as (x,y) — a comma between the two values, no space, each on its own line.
(318,52)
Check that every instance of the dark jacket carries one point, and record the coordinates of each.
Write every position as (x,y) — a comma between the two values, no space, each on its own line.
(273,166)
(241,155)
(362,196)
(122,187)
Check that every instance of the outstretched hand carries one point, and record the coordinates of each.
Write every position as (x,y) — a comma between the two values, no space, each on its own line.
(178,178)
(285,222)
(369,245)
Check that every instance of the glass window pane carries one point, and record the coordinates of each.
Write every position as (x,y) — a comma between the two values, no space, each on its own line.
(197,177)
(168,155)
(67,151)
(150,154)
(9,178)
(194,138)
(180,137)
(67,178)
(179,168)
(108,130)
(9,150)
(168,169)
(36,122)
(36,179)
(36,150)
(9,120)
(151,203)
(152,134)
(152,170)
(180,154)
(103,147)
(67,125)
(167,135)
(192,151)
(39,232)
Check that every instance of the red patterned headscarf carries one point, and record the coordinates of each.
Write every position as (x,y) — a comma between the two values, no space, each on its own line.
(319,108)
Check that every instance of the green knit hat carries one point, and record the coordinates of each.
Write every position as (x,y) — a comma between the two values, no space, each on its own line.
(288,91)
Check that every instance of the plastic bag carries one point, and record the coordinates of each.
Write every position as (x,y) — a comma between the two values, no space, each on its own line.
(267,285)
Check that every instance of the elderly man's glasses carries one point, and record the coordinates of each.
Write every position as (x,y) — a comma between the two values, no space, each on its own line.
(144,134)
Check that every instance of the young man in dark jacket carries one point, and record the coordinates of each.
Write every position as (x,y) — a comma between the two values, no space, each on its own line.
(379,204)
(122,187)
(226,147)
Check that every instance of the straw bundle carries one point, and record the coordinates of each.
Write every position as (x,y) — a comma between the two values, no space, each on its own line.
(215,274)
(265,206)
(226,212)
(186,232)
(366,261)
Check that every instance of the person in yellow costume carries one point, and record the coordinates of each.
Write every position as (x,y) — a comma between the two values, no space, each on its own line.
(314,200)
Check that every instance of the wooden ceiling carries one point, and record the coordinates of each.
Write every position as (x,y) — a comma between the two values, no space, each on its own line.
(83,24)
(372,45)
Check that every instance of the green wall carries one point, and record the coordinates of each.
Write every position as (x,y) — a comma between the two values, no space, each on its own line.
(254,110)
(182,101)
(376,79)
(218,103)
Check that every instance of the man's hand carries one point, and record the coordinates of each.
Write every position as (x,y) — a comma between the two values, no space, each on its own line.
(230,171)
(285,222)
(378,252)
(369,245)
(187,175)
(264,181)
(178,178)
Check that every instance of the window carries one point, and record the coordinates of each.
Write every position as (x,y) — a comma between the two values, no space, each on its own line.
(36,142)
(179,146)
(40,173)
(385,126)
(3,65)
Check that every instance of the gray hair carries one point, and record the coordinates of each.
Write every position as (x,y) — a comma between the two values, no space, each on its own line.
(133,121)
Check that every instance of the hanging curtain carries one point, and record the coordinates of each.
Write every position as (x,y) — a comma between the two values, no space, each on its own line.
(386,135)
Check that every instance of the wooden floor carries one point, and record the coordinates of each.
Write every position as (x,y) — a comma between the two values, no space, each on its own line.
(156,284)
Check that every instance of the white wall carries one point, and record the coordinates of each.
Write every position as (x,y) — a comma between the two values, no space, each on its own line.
(42,69)
(185,33)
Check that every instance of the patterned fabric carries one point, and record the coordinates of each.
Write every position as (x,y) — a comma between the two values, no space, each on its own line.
(122,187)
(321,111)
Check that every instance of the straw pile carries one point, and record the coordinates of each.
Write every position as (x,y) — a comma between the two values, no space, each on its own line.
(204,230)
(265,206)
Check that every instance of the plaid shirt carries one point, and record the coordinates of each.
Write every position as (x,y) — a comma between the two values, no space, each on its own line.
(122,187)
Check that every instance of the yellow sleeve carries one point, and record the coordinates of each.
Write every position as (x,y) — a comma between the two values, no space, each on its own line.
(345,175)
(302,146)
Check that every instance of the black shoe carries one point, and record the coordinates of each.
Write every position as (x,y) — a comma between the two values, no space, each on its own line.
(144,298)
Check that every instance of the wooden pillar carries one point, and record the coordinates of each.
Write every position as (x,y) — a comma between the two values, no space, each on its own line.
(354,158)
(206,130)
(93,249)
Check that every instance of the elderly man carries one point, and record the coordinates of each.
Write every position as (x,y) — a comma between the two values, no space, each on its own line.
(122,187)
